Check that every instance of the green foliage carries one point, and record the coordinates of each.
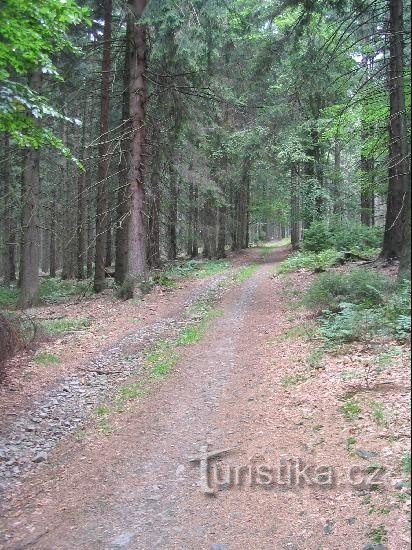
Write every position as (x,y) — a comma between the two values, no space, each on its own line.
(62,326)
(46,359)
(351,409)
(361,304)
(359,286)
(318,237)
(51,290)
(245,273)
(353,237)
(379,535)
(294,380)
(162,358)
(9,297)
(31,33)
(310,260)
(379,413)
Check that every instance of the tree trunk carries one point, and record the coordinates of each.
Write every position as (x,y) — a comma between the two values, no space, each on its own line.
(405,259)
(172,214)
(30,281)
(338,181)
(295,208)
(103,166)
(137,105)
(53,232)
(81,208)
(123,194)
(221,241)
(367,195)
(154,211)
(9,252)
(398,163)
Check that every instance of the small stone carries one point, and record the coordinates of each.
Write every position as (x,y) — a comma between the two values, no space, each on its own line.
(123,540)
(366,455)
(351,521)
(217,547)
(329,528)
(180,470)
(41,457)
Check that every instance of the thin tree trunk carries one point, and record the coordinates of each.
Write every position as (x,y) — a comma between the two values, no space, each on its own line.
(172,214)
(295,208)
(195,226)
(338,181)
(103,166)
(81,208)
(123,195)
(9,253)
(154,210)
(53,231)
(31,241)
(398,164)
(367,195)
(221,241)
(137,105)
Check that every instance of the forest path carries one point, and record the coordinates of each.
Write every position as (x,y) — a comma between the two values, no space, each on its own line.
(137,488)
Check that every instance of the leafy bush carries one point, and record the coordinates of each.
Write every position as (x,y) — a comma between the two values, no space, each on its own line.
(355,238)
(310,260)
(361,304)
(360,286)
(318,237)
(351,323)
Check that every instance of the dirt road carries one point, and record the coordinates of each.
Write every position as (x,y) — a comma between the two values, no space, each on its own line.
(137,487)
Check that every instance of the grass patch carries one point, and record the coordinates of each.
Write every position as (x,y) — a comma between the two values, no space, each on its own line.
(63,326)
(162,359)
(379,535)
(245,273)
(387,358)
(315,359)
(351,443)
(51,291)
(406,467)
(379,414)
(294,380)
(351,409)
(9,297)
(102,411)
(131,392)
(46,359)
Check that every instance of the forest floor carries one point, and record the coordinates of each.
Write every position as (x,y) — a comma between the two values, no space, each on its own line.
(315,445)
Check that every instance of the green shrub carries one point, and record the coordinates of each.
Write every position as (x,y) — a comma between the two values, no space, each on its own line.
(360,286)
(352,323)
(317,237)
(356,238)
(310,260)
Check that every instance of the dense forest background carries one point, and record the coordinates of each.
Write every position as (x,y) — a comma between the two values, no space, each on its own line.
(136,132)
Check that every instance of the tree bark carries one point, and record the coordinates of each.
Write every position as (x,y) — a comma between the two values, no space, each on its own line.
(172,214)
(82,207)
(30,281)
(295,208)
(103,166)
(367,195)
(53,232)
(123,194)
(398,163)
(9,252)
(137,105)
